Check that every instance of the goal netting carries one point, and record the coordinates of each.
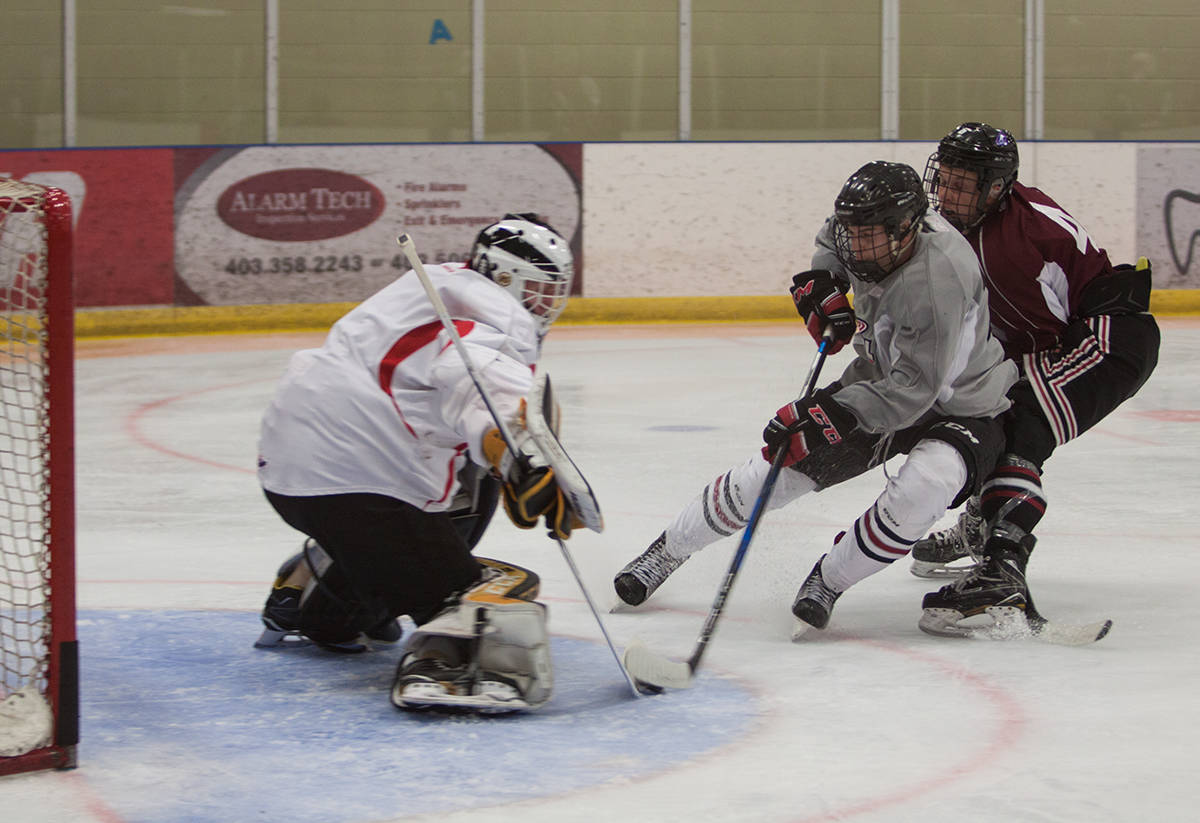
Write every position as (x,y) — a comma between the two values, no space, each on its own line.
(38,654)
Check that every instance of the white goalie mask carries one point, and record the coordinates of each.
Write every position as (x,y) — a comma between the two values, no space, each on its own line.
(529,259)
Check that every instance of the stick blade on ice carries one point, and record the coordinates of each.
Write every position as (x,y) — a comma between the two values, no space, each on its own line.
(651,669)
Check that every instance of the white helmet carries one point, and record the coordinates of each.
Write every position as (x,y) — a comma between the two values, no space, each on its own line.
(529,259)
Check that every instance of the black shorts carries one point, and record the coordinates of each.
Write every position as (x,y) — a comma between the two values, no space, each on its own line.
(395,557)
(1099,364)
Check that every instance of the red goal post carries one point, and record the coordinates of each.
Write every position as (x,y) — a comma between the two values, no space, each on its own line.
(39,661)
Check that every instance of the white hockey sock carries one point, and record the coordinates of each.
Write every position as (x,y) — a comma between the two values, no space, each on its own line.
(724,507)
(848,562)
(911,503)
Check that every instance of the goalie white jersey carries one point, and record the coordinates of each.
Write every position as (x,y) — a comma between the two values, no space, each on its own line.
(386,405)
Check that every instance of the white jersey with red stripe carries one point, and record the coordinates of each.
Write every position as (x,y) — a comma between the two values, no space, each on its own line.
(386,405)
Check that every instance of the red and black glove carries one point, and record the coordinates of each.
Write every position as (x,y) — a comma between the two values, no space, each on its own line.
(805,425)
(822,302)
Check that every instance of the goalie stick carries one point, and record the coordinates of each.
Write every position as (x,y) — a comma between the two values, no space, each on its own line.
(573,486)
(658,672)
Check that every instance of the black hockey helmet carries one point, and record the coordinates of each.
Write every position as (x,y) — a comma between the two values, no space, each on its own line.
(987,152)
(884,195)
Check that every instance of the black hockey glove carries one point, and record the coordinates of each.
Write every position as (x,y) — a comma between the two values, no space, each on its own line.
(822,302)
(529,489)
(805,425)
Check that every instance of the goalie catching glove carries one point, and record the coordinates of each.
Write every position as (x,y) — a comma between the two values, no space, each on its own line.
(805,425)
(822,302)
(529,488)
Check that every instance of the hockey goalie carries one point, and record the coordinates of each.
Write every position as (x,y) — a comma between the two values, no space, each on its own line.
(384,450)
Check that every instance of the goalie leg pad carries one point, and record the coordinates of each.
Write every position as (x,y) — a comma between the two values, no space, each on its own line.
(488,652)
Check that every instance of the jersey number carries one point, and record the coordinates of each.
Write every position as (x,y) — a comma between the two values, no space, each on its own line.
(1069,225)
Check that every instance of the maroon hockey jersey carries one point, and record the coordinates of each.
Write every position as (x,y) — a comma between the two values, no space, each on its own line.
(1036,261)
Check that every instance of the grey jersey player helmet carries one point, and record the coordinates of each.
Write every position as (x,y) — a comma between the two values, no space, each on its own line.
(877,216)
(971,173)
(531,260)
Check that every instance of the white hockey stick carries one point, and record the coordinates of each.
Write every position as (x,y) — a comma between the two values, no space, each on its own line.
(410,252)
(657,672)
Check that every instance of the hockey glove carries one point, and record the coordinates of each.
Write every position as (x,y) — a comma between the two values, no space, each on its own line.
(529,489)
(805,425)
(822,302)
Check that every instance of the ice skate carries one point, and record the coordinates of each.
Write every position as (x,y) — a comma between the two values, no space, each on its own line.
(814,603)
(642,576)
(434,683)
(991,600)
(932,557)
(281,618)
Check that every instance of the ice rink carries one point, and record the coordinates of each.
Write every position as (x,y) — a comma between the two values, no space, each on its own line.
(869,721)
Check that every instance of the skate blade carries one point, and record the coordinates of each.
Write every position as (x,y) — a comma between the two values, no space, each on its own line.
(930,570)
(291,639)
(281,639)
(800,630)
(1002,623)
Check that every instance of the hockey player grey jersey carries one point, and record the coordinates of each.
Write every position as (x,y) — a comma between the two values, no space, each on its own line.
(922,340)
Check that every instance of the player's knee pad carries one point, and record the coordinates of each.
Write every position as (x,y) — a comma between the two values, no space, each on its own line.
(925,486)
(331,611)
(497,626)
(978,440)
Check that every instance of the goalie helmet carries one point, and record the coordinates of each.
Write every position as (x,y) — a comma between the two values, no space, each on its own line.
(971,173)
(877,216)
(529,259)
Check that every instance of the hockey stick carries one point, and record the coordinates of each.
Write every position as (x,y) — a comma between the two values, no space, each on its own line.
(654,670)
(410,251)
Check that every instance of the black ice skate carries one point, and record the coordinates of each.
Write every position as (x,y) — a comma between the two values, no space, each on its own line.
(646,572)
(995,589)
(933,555)
(281,618)
(814,602)
(434,683)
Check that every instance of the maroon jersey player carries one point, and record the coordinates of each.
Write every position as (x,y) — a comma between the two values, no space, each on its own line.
(1080,331)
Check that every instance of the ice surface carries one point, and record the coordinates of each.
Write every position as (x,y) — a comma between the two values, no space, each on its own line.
(870,720)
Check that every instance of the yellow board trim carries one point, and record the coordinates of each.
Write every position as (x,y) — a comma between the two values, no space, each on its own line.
(292,317)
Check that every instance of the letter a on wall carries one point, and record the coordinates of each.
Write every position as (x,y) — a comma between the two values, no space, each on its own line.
(440,32)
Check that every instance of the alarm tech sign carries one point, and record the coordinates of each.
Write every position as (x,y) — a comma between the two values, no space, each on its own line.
(318,224)
(300,204)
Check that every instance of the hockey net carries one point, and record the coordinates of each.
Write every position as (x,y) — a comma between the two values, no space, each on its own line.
(39,696)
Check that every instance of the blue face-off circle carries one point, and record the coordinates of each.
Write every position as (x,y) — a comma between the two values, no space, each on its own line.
(183,720)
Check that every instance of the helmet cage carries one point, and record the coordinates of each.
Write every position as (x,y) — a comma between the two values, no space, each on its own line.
(884,195)
(531,261)
(987,152)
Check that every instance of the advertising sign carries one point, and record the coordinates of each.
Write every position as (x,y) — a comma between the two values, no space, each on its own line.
(296,224)
(1168,213)
(121,214)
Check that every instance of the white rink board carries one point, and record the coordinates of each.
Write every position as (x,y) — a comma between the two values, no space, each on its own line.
(711,219)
